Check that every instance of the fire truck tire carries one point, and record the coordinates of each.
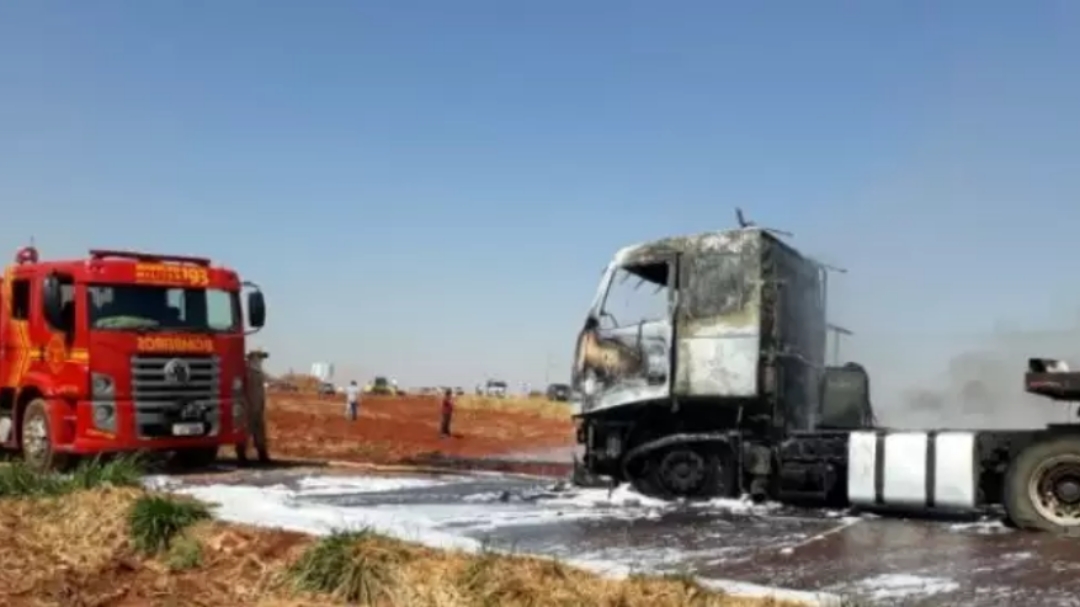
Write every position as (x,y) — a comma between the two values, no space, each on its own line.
(1042,486)
(202,457)
(36,442)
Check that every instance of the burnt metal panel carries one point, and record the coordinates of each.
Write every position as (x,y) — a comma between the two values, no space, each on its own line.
(718,322)
(797,338)
(750,322)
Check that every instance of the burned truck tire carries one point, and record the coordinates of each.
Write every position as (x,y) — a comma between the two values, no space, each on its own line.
(1042,486)
(36,442)
(681,472)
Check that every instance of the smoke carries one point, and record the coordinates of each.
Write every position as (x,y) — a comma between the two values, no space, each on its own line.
(972,383)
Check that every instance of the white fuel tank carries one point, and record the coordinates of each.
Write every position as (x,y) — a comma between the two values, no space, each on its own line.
(929,470)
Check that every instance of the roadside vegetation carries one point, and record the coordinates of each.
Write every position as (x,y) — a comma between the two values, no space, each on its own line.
(539,406)
(96,537)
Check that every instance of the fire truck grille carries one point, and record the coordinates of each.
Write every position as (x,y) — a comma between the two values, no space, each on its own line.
(161,401)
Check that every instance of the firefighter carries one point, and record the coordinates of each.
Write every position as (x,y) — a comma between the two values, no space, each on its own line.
(256,408)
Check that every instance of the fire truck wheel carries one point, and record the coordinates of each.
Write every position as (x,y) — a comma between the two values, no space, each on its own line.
(202,457)
(36,440)
(1042,486)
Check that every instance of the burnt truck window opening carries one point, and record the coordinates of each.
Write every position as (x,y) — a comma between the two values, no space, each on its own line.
(152,307)
(636,294)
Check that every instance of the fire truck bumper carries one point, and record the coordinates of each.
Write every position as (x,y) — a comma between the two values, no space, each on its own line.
(86,434)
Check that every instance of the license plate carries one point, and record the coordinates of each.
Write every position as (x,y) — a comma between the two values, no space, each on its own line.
(193,429)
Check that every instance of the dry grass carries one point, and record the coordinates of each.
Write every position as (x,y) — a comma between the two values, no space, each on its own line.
(537,405)
(91,548)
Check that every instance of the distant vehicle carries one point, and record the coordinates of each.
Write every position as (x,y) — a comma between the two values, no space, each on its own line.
(327,388)
(558,392)
(496,388)
(384,386)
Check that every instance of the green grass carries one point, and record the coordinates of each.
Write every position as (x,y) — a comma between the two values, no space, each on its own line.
(184,553)
(156,519)
(348,565)
(118,471)
(17,480)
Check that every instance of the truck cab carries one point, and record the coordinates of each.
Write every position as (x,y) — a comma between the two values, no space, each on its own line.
(122,351)
(702,358)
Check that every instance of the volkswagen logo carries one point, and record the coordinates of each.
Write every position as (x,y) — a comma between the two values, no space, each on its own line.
(177,372)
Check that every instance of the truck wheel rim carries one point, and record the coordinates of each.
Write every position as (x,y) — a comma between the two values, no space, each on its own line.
(682,472)
(36,438)
(1054,490)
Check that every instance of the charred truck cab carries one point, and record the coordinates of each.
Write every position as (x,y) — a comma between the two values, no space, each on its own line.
(701,367)
(120,352)
(700,371)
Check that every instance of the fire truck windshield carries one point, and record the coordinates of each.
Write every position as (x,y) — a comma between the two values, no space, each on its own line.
(127,307)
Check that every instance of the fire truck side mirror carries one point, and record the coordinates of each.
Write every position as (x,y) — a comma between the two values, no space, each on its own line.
(256,305)
(52,303)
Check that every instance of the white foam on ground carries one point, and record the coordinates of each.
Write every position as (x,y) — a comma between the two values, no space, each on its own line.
(905,585)
(624,496)
(276,507)
(334,485)
(445,525)
(982,527)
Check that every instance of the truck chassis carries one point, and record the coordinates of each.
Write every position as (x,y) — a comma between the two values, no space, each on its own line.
(1033,474)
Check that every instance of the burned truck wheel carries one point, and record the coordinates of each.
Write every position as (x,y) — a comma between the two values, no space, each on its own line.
(36,441)
(683,471)
(1042,486)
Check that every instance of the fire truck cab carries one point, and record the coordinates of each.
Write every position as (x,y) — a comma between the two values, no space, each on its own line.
(122,351)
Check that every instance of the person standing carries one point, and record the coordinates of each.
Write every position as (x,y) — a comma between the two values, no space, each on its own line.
(352,400)
(255,408)
(447,413)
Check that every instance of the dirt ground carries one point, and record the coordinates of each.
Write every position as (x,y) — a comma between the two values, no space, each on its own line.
(405,429)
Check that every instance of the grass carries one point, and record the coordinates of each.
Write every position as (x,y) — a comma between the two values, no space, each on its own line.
(354,567)
(364,568)
(17,480)
(95,537)
(184,553)
(539,406)
(156,519)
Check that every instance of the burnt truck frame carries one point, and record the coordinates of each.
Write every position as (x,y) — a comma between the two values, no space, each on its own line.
(726,392)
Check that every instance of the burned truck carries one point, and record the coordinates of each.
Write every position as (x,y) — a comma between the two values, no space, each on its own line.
(700,371)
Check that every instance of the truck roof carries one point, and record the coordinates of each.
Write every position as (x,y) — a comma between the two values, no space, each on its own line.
(113,266)
(733,239)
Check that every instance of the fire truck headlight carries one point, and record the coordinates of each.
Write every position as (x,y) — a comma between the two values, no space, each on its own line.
(102,385)
(104,417)
(237,385)
(102,413)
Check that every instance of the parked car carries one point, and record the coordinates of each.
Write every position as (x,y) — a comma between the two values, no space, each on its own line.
(558,392)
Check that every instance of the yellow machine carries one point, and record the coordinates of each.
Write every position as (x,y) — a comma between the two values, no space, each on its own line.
(382,386)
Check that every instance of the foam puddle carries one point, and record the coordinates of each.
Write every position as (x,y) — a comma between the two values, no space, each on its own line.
(892,586)
(452,525)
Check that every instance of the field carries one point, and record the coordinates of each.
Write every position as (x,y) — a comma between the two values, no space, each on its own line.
(99,539)
(405,430)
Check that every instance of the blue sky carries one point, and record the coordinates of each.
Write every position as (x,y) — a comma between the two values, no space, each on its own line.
(429,189)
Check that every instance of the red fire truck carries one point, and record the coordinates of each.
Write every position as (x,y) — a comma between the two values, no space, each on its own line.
(122,351)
